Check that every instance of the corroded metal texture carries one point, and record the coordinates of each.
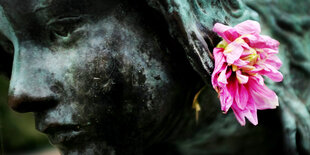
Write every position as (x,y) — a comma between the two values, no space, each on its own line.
(191,22)
(289,22)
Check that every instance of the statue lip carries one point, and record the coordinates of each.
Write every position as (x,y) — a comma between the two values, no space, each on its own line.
(53,128)
(61,133)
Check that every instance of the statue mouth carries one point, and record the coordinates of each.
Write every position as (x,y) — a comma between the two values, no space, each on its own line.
(63,133)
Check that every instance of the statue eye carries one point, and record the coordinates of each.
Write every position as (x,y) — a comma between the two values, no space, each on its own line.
(63,27)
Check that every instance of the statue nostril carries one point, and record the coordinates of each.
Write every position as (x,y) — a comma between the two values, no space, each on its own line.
(24,103)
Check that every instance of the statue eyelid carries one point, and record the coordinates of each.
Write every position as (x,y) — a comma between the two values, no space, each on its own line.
(64,26)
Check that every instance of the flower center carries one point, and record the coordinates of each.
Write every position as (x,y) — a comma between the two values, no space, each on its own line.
(250,55)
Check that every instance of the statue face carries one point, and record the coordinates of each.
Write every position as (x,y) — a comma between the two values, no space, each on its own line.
(93,73)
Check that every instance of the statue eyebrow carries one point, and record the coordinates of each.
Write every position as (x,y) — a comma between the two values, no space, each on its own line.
(41,6)
(64,18)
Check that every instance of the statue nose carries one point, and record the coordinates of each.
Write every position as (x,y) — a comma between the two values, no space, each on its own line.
(31,91)
(25,103)
(32,84)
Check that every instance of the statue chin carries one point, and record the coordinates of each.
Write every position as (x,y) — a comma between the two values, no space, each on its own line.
(90,148)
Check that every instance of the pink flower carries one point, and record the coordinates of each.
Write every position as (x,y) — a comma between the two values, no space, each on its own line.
(241,58)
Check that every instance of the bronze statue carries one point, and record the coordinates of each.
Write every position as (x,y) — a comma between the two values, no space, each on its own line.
(119,77)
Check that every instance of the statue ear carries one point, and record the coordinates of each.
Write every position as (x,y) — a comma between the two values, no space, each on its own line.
(191,23)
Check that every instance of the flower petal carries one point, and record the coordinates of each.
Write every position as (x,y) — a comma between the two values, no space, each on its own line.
(270,51)
(261,41)
(239,115)
(228,73)
(242,79)
(251,111)
(220,28)
(268,42)
(226,99)
(230,35)
(248,27)
(241,96)
(251,115)
(274,61)
(219,64)
(259,78)
(218,58)
(233,52)
(240,63)
(248,69)
(222,80)
(263,97)
(272,73)
(226,32)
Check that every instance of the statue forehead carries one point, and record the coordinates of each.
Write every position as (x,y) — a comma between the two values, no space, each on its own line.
(26,13)
(28,6)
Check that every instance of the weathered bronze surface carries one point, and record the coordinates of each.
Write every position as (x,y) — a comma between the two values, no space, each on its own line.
(118,77)
(289,22)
